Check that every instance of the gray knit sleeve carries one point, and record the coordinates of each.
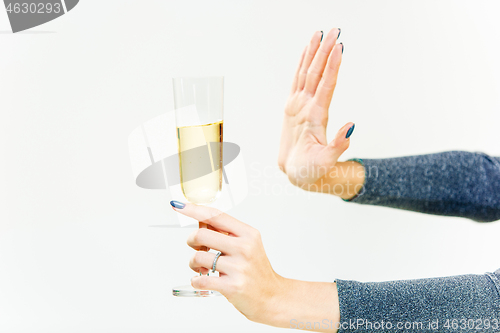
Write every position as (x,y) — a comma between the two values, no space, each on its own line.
(465,303)
(455,183)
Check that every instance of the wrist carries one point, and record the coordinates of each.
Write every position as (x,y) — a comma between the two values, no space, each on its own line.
(274,302)
(298,304)
(344,179)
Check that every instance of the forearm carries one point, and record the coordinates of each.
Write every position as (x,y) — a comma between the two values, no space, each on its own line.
(453,183)
(312,306)
(423,305)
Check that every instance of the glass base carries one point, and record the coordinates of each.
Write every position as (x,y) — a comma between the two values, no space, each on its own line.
(189,291)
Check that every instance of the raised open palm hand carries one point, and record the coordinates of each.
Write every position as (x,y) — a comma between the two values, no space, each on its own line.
(305,155)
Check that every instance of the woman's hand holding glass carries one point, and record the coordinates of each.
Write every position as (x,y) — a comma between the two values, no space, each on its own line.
(246,277)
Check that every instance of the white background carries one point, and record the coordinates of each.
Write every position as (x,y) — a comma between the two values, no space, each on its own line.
(77,252)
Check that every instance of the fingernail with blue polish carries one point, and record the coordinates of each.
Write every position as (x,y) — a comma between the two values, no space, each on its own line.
(340,30)
(321,36)
(342,47)
(177,204)
(349,132)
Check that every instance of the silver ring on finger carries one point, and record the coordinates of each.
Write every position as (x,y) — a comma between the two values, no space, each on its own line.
(215,261)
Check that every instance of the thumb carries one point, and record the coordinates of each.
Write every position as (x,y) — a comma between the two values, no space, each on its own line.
(338,145)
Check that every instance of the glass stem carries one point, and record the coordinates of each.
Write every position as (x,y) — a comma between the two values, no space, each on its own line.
(204,248)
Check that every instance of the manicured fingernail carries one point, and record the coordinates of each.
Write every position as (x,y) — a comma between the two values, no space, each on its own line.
(177,204)
(349,132)
(342,47)
(339,32)
(321,36)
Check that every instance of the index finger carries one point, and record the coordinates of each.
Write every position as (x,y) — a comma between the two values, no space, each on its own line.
(212,216)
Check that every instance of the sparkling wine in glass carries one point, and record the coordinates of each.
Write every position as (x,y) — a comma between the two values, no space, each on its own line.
(200,161)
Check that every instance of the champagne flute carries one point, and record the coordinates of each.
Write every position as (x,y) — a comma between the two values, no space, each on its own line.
(199,121)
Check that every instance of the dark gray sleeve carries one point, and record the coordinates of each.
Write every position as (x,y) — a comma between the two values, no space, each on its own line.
(465,303)
(455,183)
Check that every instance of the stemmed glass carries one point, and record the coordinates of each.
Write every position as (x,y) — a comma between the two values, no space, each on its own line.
(199,120)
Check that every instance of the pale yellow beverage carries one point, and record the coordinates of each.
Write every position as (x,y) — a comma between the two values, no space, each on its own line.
(200,162)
